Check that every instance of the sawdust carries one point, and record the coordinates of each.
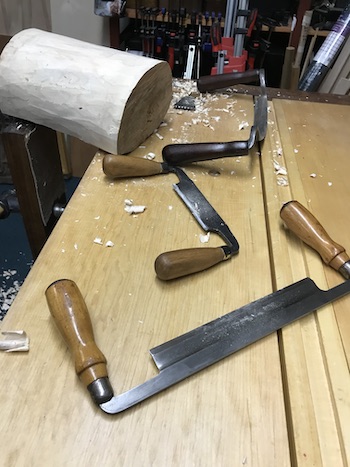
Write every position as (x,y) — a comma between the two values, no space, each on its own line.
(8,291)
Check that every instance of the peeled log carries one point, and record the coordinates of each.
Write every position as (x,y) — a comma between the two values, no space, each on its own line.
(108,98)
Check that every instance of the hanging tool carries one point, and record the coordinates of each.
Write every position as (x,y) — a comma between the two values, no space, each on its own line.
(251,45)
(241,29)
(265,44)
(179,263)
(305,226)
(327,53)
(179,154)
(199,47)
(216,46)
(185,355)
(191,48)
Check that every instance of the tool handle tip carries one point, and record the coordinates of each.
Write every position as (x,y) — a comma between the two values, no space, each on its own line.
(179,263)
(69,311)
(305,226)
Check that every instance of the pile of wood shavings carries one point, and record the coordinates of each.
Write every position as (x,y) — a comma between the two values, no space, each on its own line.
(204,105)
(8,293)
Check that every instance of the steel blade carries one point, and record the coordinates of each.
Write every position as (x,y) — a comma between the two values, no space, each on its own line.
(202,210)
(228,334)
(260,109)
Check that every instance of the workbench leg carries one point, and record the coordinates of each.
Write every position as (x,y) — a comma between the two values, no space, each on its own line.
(34,161)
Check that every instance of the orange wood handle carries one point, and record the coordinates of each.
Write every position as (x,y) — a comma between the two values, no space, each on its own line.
(179,263)
(115,166)
(301,222)
(72,318)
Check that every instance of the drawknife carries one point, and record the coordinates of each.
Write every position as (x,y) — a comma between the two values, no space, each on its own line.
(185,355)
(179,263)
(180,154)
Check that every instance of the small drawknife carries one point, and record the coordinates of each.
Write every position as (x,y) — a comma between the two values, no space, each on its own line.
(179,263)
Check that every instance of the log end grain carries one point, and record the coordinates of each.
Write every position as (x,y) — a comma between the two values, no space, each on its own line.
(146,107)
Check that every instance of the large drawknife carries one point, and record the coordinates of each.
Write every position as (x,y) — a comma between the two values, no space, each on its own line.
(180,154)
(178,263)
(185,355)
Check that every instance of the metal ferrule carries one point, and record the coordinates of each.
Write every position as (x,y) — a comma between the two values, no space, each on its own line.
(227,252)
(345,270)
(101,390)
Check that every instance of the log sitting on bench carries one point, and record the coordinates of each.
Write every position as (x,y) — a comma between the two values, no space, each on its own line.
(108,98)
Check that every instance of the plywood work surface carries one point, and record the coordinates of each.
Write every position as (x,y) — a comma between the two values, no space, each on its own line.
(308,147)
(241,411)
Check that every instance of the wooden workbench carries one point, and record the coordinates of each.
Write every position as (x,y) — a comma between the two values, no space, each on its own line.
(284,400)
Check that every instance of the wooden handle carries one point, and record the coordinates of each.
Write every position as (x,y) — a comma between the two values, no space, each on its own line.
(193,152)
(126,166)
(179,263)
(301,222)
(72,318)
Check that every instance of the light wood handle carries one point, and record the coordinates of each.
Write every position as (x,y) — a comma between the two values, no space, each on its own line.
(301,222)
(179,263)
(115,166)
(72,319)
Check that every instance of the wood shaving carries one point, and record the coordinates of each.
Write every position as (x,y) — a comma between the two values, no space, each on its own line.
(131,208)
(150,156)
(204,238)
(243,125)
(280,170)
(9,291)
(282,181)
(14,341)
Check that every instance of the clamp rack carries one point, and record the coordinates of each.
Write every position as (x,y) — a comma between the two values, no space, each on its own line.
(232,57)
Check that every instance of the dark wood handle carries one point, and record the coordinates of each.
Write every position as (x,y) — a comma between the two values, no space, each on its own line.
(176,154)
(303,224)
(179,263)
(115,166)
(72,319)
(212,82)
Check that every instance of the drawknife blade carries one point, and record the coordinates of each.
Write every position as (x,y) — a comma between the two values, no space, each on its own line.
(186,355)
(206,216)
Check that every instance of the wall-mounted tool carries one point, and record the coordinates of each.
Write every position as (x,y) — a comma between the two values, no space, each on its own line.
(179,263)
(179,154)
(185,355)
(305,226)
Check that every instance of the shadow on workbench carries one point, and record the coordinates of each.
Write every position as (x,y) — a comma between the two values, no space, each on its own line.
(15,253)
